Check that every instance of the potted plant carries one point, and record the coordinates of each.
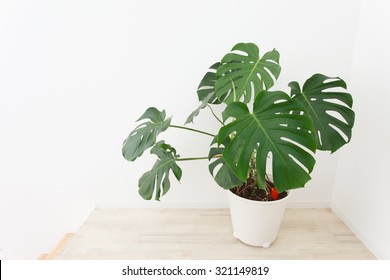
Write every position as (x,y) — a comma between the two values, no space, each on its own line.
(266,142)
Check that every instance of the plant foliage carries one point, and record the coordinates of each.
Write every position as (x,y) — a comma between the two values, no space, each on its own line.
(144,135)
(206,92)
(280,132)
(320,97)
(157,179)
(222,173)
(270,129)
(243,73)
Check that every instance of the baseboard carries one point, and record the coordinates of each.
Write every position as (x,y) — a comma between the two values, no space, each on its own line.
(363,238)
(201,205)
(58,249)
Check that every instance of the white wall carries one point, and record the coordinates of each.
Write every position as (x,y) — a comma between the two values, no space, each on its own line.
(362,186)
(169,46)
(74,75)
(47,123)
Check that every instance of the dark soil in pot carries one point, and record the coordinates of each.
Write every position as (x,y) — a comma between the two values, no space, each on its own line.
(250,190)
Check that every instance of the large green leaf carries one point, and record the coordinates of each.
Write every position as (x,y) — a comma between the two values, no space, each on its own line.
(224,176)
(329,108)
(157,179)
(144,136)
(206,92)
(270,128)
(243,73)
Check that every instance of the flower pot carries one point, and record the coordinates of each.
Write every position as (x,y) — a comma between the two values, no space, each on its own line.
(256,223)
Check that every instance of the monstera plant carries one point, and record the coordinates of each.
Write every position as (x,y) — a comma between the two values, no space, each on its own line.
(266,142)
(258,125)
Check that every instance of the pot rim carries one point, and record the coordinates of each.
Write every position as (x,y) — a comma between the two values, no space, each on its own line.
(261,202)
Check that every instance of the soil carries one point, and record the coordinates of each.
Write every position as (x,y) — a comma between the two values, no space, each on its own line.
(250,190)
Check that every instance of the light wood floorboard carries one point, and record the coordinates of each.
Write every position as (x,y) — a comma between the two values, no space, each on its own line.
(207,234)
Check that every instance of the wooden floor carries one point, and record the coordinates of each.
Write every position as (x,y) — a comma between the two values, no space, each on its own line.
(207,234)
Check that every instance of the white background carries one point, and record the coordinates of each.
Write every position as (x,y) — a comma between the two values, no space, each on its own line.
(282,269)
(75,75)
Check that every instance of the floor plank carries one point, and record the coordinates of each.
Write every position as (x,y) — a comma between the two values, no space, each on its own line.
(207,234)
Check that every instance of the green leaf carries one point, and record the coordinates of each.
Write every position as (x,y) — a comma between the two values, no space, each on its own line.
(144,136)
(206,88)
(203,105)
(270,128)
(206,92)
(224,176)
(321,99)
(157,180)
(243,73)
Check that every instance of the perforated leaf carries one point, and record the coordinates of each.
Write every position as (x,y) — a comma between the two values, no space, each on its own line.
(329,108)
(243,73)
(157,179)
(144,136)
(270,128)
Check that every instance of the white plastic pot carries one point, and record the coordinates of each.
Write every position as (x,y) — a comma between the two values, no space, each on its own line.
(256,223)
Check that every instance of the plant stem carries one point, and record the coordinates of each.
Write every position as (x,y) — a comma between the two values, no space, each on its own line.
(193,158)
(212,111)
(191,129)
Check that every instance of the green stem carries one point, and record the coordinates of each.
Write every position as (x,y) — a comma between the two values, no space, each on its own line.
(193,158)
(212,111)
(191,129)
